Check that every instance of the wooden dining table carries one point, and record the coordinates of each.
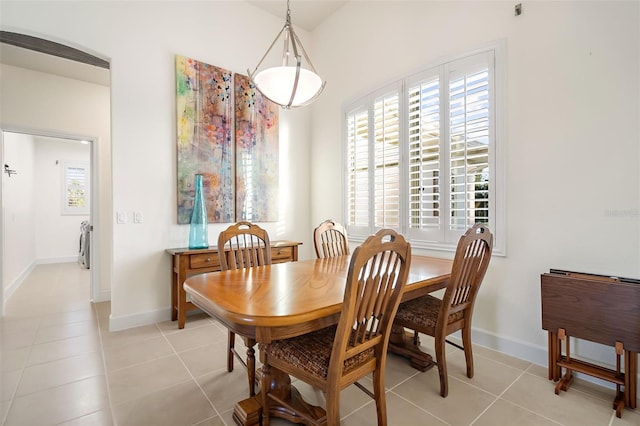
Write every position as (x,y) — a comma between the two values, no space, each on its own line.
(284,300)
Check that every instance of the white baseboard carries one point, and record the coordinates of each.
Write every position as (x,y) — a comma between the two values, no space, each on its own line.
(518,349)
(136,320)
(15,285)
(529,352)
(64,259)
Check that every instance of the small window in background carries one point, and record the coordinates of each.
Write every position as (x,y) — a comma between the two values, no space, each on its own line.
(75,188)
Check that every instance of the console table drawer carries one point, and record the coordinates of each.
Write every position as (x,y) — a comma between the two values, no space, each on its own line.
(204,260)
(281,254)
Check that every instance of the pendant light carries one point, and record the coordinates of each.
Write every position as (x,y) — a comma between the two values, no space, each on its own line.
(290,84)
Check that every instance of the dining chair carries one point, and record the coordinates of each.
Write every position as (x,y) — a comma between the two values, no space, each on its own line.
(441,317)
(330,239)
(335,357)
(243,245)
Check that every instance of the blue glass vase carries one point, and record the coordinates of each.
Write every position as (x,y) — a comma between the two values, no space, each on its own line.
(198,235)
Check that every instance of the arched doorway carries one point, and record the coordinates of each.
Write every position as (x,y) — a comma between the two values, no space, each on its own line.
(36,55)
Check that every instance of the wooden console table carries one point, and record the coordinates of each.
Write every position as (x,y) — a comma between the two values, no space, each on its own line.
(600,309)
(188,262)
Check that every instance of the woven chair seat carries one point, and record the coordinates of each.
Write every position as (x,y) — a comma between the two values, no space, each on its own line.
(311,352)
(421,315)
(424,311)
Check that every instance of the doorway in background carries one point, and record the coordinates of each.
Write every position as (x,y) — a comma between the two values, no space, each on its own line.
(45,200)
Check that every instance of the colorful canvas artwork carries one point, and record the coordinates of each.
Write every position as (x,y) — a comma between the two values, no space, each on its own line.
(257,162)
(205,144)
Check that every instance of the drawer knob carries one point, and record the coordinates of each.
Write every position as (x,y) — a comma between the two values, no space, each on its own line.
(208,259)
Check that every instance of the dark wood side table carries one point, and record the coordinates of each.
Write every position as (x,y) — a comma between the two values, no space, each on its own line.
(188,262)
(598,308)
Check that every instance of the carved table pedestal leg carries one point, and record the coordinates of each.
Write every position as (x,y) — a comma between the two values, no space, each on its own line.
(248,412)
(407,345)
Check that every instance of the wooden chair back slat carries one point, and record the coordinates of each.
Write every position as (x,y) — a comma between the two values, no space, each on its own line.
(377,274)
(330,239)
(243,245)
(469,267)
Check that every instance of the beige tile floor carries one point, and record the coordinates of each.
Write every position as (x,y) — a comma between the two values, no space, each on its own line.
(61,365)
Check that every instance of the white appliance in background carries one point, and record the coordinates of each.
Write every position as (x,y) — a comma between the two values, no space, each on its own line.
(84,250)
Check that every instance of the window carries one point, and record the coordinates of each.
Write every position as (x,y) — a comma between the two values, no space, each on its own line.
(75,188)
(422,154)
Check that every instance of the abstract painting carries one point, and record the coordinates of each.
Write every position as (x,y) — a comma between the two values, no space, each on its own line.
(205,144)
(257,163)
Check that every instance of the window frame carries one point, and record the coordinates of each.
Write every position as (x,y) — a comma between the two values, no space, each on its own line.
(66,209)
(496,160)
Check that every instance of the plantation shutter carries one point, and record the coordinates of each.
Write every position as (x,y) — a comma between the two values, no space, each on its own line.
(469,129)
(421,154)
(387,161)
(358,169)
(424,159)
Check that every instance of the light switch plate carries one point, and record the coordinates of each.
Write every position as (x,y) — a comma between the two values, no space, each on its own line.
(121,217)
(137,217)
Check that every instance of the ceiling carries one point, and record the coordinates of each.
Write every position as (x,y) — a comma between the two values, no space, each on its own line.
(305,14)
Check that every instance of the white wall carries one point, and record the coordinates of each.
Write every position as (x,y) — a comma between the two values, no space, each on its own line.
(18,231)
(572,142)
(57,235)
(49,104)
(141,40)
